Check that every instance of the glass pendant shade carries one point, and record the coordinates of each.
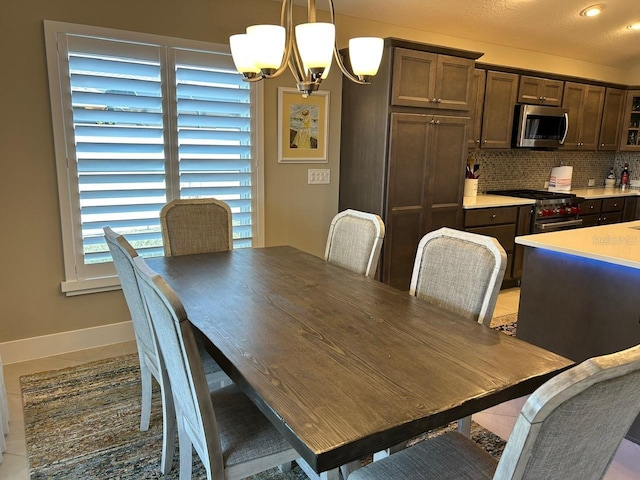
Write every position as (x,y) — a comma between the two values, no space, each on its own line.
(267,43)
(365,54)
(315,42)
(242,53)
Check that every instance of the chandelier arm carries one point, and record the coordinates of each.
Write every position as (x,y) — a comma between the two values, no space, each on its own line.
(337,55)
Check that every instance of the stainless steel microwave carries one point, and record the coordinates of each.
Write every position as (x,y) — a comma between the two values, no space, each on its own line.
(540,126)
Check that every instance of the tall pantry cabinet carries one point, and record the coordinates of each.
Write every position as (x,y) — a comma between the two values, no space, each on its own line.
(404,147)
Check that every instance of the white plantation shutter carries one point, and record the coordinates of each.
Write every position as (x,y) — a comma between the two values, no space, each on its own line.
(138,121)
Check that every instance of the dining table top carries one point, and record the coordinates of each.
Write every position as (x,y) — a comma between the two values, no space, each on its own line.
(342,364)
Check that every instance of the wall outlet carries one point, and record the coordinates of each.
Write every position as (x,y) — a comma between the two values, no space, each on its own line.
(546,184)
(592,182)
(318,176)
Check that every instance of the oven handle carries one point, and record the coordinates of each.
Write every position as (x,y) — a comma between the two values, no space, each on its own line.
(558,225)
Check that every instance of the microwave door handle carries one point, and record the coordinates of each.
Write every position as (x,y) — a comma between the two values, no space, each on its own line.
(566,128)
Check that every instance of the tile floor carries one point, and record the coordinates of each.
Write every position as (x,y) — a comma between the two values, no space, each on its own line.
(499,419)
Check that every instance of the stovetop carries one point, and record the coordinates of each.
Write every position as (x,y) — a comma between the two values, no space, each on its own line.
(534,194)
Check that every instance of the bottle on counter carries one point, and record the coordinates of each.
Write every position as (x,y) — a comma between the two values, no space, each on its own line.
(624,177)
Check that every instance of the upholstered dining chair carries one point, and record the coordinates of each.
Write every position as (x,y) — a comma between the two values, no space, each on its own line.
(461,272)
(569,428)
(151,365)
(197,225)
(230,435)
(354,242)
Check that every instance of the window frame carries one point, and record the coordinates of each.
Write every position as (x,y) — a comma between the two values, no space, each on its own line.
(106,279)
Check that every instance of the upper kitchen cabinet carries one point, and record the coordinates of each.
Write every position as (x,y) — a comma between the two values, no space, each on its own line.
(477,101)
(403,156)
(630,140)
(614,100)
(540,91)
(501,93)
(584,103)
(430,80)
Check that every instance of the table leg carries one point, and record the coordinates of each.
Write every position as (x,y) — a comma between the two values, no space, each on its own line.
(328,475)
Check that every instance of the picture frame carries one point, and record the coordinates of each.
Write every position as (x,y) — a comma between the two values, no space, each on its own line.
(303,125)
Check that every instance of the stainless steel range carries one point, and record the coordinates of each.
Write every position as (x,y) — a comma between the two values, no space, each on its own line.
(553,210)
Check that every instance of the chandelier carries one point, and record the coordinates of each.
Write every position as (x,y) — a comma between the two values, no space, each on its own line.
(265,51)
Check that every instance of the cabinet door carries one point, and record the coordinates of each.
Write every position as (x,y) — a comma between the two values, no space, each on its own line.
(551,91)
(446,170)
(630,138)
(477,100)
(453,83)
(414,78)
(500,96)
(611,119)
(410,141)
(591,117)
(630,208)
(584,103)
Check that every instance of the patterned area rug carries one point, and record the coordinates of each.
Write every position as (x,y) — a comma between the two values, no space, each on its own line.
(83,423)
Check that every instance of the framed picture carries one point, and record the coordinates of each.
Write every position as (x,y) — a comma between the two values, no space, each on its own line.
(303,124)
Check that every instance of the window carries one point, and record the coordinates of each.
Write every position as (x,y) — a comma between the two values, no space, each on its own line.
(140,120)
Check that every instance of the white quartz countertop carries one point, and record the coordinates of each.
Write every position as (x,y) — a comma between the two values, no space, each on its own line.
(486,201)
(590,193)
(618,243)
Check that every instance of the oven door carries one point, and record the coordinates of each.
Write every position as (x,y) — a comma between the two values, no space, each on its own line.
(555,225)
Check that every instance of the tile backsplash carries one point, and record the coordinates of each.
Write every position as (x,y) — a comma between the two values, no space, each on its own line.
(515,168)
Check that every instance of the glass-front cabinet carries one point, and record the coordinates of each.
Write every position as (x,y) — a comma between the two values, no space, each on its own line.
(630,140)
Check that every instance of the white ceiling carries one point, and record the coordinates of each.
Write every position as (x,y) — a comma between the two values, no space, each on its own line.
(547,26)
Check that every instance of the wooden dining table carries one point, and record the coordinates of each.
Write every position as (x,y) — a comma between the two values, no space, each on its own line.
(342,364)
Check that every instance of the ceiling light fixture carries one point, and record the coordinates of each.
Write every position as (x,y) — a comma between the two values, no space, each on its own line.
(634,26)
(266,50)
(592,11)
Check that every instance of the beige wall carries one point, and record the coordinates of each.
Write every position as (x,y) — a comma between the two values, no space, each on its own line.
(31,253)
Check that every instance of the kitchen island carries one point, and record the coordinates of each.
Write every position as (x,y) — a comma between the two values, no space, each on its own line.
(579,292)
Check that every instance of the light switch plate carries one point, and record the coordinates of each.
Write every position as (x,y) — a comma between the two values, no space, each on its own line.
(318,176)
(592,182)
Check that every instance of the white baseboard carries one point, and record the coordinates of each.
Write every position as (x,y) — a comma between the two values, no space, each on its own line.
(65,342)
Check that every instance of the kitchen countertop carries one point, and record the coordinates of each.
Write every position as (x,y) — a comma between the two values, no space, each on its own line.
(486,201)
(617,243)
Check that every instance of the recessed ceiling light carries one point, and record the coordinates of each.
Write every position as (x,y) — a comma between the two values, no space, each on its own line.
(592,11)
(634,26)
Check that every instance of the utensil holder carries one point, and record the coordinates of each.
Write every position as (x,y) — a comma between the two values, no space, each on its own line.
(470,187)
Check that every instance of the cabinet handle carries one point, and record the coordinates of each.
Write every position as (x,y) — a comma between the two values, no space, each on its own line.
(544,98)
(478,141)
(591,206)
(602,144)
(486,141)
(432,121)
(434,100)
(439,100)
(493,216)
(437,122)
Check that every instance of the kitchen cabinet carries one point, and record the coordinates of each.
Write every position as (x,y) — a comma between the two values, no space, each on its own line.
(603,211)
(429,80)
(630,140)
(475,112)
(585,103)
(402,157)
(501,92)
(614,102)
(540,91)
(504,224)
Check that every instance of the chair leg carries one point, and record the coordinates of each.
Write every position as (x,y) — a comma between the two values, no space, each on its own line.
(285,467)
(168,425)
(464,426)
(349,468)
(186,451)
(145,410)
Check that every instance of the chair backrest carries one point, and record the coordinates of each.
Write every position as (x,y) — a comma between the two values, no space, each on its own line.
(354,242)
(123,254)
(572,426)
(179,350)
(459,271)
(198,225)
